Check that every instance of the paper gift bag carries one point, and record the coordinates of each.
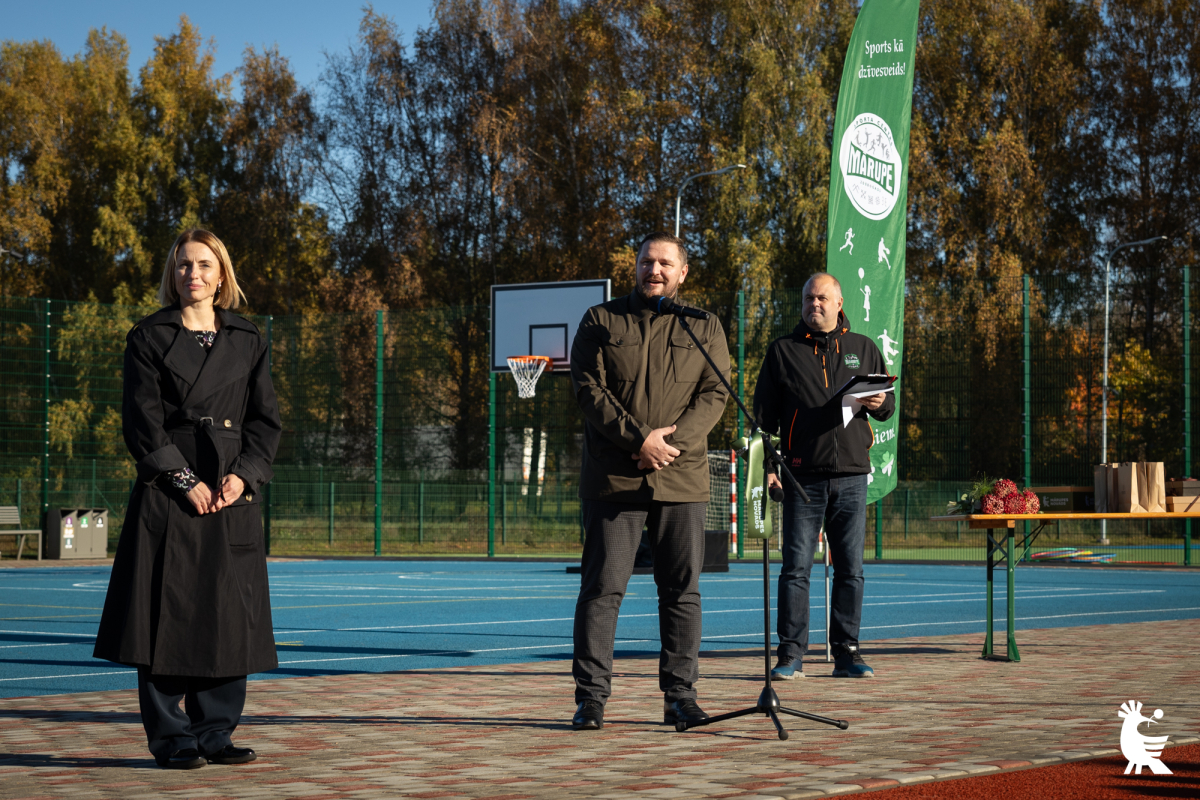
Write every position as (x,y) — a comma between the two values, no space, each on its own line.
(1103,481)
(1126,497)
(1152,488)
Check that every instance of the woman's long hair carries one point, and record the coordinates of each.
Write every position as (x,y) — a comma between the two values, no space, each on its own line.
(230,294)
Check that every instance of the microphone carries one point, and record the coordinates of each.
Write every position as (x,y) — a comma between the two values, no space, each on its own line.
(666,306)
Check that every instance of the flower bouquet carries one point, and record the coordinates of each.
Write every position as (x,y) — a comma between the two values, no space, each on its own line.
(991,496)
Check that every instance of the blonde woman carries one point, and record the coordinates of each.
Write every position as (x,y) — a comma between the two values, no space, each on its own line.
(187,603)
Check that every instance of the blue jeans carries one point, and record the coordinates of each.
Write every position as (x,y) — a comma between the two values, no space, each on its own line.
(842,504)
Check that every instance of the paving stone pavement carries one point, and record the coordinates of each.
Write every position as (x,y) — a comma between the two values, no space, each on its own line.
(934,711)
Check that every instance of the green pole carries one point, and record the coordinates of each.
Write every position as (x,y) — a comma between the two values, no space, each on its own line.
(267,489)
(92,493)
(20,487)
(1027,384)
(879,529)
(741,360)
(379,432)
(503,513)
(46,412)
(1187,401)
(1013,653)
(331,500)
(907,503)
(491,465)
(420,507)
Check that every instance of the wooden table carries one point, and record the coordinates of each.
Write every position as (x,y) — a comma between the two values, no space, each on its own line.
(1007,546)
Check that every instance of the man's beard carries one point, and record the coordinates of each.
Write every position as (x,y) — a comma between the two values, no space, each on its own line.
(642,287)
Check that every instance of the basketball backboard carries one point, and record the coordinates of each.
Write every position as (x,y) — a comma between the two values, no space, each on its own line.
(539,319)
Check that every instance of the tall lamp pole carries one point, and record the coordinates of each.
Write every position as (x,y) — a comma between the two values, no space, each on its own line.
(689,179)
(1104,390)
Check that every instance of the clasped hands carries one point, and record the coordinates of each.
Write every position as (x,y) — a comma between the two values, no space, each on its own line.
(655,453)
(205,501)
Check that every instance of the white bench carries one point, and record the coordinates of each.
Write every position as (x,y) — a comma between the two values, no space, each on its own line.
(10,515)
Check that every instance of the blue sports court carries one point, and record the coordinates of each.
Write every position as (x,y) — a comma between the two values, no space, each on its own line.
(338,617)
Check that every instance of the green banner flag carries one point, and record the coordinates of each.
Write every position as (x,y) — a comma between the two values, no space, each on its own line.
(868,196)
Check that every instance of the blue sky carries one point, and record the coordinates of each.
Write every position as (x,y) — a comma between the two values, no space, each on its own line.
(303,29)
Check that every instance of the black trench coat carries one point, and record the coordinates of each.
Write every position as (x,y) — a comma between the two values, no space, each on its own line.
(188,593)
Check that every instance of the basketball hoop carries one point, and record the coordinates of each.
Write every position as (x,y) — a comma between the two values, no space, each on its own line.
(526,370)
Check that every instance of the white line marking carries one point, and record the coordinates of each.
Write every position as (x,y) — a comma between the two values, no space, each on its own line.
(49,589)
(52,633)
(1001,619)
(288,631)
(564,643)
(55,644)
(76,675)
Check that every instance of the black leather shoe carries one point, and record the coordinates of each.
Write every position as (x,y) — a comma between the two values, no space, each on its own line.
(232,755)
(684,710)
(188,758)
(589,716)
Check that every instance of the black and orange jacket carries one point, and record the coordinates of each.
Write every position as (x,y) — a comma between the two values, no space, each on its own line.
(795,398)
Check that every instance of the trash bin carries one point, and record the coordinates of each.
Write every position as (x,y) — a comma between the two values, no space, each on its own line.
(96,520)
(76,533)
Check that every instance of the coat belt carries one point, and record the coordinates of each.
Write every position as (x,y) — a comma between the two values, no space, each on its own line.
(209,428)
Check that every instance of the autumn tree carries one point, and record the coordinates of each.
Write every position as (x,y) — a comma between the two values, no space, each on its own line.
(1144,147)
(263,209)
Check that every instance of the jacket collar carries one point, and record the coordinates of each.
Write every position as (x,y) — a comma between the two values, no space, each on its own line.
(641,306)
(638,304)
(171,315)
(804,333)
(204,371)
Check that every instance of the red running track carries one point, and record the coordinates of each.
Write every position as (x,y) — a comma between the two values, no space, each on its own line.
(1098,779)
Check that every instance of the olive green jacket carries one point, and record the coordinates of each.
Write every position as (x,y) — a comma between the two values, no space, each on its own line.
(633,371)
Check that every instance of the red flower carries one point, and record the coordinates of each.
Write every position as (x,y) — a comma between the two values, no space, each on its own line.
(992,504)
(1032,504)
(1004,488)
(1014,504)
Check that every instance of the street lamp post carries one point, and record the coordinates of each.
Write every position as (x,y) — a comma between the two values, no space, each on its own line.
(689,179)
(1104,389)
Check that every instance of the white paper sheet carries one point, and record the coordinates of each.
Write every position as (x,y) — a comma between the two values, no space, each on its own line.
(851,403)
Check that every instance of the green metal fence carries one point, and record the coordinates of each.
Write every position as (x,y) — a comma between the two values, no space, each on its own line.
(387,417)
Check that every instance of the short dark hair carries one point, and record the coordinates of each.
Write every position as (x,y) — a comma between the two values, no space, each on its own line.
(663,236)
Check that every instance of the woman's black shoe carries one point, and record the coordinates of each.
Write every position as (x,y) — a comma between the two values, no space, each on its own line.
(589,716)
(232,755)
(188,758)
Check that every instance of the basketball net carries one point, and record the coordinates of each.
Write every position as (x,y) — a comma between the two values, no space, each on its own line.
(526,370)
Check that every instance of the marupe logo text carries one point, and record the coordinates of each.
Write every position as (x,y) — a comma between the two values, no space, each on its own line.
(756,501)
(851,360)
(870,165)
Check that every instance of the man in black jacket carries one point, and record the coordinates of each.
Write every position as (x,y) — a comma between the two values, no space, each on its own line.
(796,397)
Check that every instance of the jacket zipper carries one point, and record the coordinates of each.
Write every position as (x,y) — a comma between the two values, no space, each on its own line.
(825,374)
(791,428)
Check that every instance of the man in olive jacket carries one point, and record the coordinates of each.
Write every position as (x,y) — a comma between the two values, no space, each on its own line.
(649,399)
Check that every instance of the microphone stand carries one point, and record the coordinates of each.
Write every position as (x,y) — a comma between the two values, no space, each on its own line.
(768,701)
